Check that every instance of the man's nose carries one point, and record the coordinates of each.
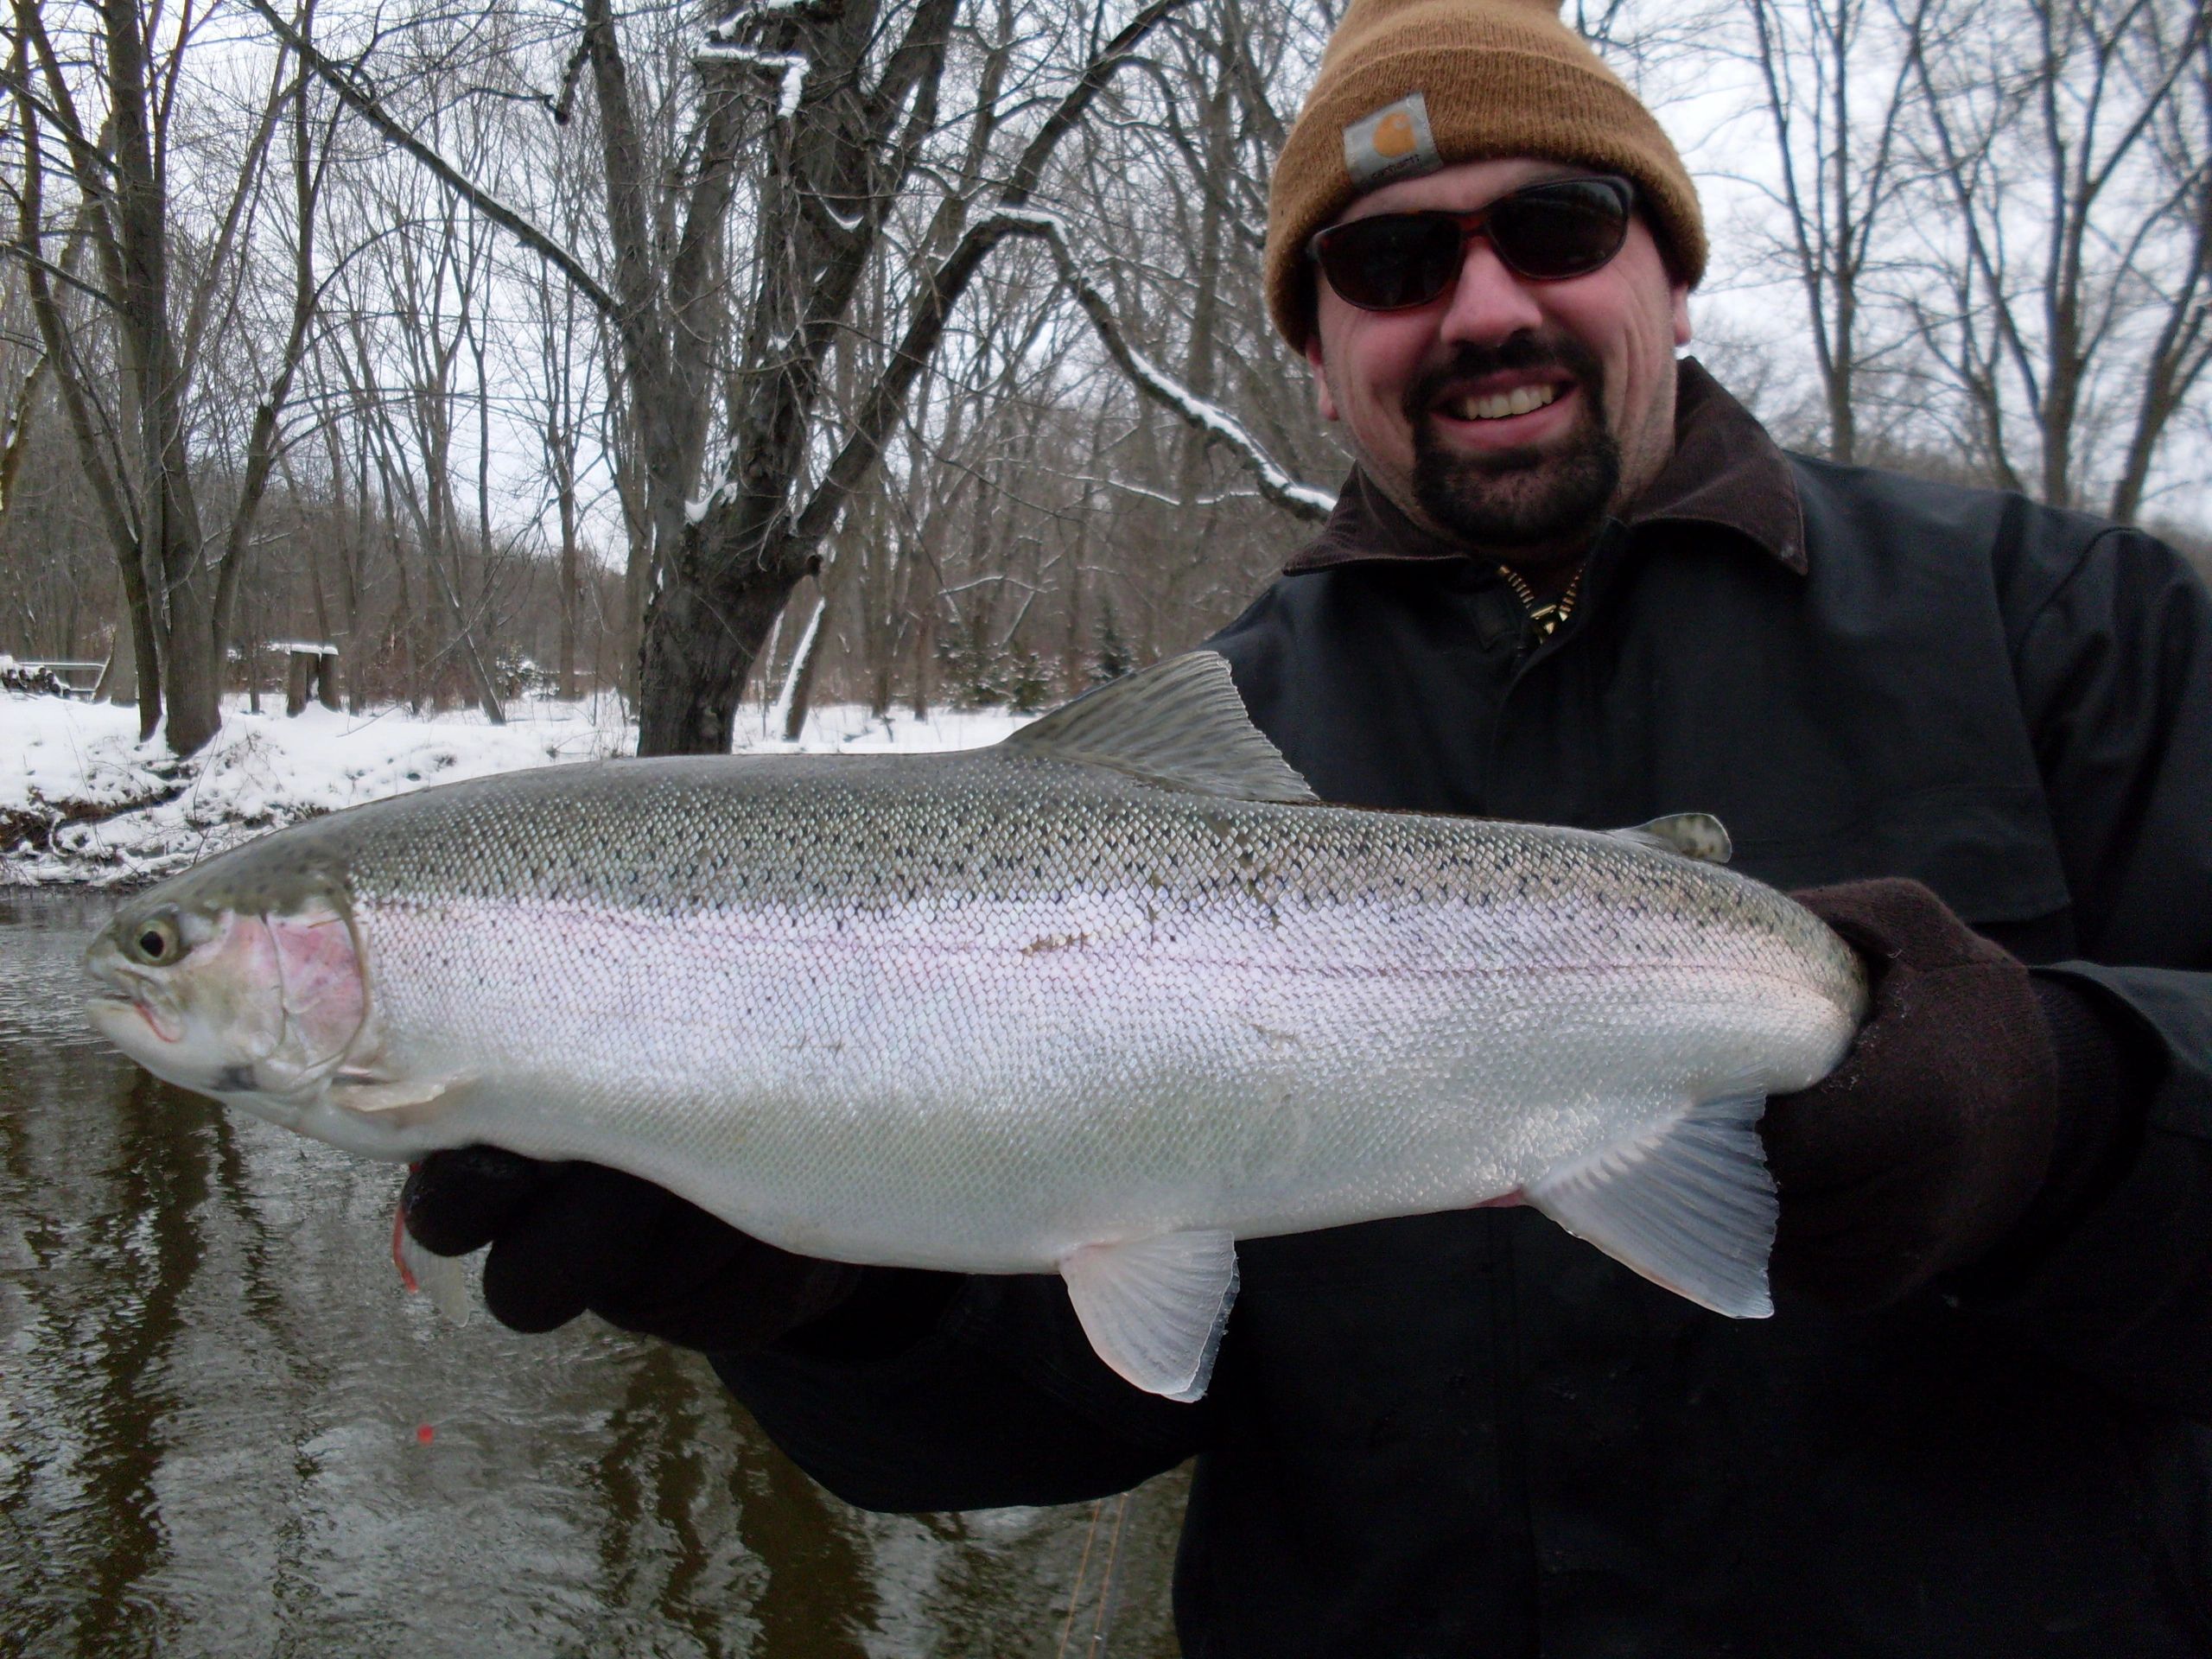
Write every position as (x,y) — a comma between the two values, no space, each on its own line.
(1489,303)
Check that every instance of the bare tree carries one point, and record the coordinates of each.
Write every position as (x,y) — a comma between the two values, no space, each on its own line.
(850,142)
(2072,233)
(566,372)
(139,455)
(1838,143)
(2177,287)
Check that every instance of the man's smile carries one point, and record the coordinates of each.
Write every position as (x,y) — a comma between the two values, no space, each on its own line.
(1496,406)
(1510,411)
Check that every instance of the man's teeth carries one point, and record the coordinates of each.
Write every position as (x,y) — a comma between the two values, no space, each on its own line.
(1497,407)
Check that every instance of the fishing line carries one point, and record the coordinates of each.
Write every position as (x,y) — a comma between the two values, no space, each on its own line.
(1101,1620)
(1083,1566)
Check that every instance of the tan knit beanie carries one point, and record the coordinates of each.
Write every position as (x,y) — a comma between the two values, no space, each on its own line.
(1408,86)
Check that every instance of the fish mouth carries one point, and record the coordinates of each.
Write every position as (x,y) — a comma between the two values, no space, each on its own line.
(112,1012)
(118,1007)
(137,1029)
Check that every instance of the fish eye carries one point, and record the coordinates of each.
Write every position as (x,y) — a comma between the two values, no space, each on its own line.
(157,941)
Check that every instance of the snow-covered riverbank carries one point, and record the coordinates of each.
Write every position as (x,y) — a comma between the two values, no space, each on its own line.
(83,802)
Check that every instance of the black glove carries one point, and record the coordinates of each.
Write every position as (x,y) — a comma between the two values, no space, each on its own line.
(1977,1108)
(571,1237)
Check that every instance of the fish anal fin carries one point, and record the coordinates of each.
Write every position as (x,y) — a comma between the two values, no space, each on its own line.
(1689,834)
(1180,722)
(1154,1308)
(1689,1205)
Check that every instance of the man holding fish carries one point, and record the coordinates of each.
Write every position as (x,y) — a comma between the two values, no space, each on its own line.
(1571,582)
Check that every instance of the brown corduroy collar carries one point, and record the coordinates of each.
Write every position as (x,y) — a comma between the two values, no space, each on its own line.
(1725,472)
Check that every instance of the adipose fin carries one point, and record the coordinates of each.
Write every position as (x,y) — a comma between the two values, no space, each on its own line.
(1690,835)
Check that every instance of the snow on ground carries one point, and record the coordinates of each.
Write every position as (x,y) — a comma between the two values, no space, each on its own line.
(83,801)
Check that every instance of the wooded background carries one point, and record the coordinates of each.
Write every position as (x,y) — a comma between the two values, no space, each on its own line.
(912,351)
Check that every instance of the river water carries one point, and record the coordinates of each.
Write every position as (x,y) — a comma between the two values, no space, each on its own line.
(224,1430)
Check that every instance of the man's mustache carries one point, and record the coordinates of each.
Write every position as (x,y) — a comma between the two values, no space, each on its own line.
(1516,354)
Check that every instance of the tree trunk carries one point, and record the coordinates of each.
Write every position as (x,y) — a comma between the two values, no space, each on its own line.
(698,650)
(797,695)
(737,560)
(119,682)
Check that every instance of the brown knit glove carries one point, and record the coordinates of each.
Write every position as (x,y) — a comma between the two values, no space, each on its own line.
(1928,1144)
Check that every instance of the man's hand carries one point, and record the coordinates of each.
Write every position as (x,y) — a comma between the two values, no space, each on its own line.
(566,1239)
(1951,1117)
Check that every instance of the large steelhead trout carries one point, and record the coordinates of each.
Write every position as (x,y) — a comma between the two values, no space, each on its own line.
(1101,999)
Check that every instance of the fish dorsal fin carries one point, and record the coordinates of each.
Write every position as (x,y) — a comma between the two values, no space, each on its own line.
(1180,722)
(1694,834)
(1154,1308)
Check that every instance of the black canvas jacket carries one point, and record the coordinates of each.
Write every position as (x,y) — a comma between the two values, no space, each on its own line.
(1469,1434)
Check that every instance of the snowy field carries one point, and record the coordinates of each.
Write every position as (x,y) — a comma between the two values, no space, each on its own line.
(83,802)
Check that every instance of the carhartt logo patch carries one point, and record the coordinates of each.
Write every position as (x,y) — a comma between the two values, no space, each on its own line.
(1394,142)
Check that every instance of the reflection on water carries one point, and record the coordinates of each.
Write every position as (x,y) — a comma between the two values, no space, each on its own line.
(213,1397)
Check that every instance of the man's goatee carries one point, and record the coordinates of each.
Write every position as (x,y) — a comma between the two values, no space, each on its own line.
(1523,501)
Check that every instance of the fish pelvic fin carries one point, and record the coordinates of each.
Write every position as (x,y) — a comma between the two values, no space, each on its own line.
(1180,722)
(1155,1308)
(1690,1206)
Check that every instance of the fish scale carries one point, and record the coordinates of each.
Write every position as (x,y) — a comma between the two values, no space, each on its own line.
(1100,999)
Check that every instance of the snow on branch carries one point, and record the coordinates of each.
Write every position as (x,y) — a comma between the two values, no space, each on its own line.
(759,9)
(351,88)
(884,402)
(881,408)
(790,67)
(1215,422)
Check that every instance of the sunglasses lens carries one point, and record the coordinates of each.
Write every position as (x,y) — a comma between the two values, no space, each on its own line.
(1560,230)
(1391,261)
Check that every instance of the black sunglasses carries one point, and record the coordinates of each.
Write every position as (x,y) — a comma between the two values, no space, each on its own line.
(1546,233)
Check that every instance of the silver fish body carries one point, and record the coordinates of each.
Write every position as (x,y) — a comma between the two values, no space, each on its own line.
(1047,1006)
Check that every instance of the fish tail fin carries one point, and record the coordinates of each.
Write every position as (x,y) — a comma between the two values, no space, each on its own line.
(1689,1205)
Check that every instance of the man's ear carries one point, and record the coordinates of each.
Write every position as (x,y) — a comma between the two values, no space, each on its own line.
(1682,313)
(1323,399)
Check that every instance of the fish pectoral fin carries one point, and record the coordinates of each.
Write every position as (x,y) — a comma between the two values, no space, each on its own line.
(1180,722)
(1690,834)
(370,1091)
(443,1278)
(1689,1205)
(1154,1308)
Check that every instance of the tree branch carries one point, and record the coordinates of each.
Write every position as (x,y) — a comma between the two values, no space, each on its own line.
(886,399)
(1030,168)
(885,402)
(343,82)
(16,250)
(1216,425)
